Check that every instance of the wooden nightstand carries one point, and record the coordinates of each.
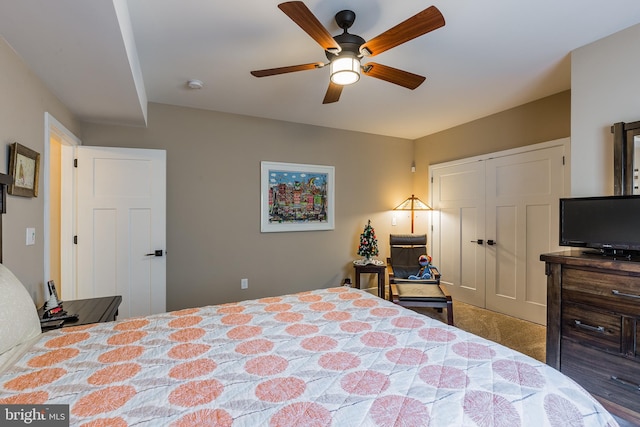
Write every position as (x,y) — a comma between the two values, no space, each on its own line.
(91,310)
(375,269)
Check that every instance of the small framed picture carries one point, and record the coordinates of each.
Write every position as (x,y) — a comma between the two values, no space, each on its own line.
(24,168)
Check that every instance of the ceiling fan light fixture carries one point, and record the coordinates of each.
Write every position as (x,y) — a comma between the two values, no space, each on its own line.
(345,51)
(345,69)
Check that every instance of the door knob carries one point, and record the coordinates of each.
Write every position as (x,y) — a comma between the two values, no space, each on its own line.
(479,241)
(157,252)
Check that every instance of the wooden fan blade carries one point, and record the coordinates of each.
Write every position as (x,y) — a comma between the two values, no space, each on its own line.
(416,26)
(393,75)
(289,69)
(301,15)
(333,93)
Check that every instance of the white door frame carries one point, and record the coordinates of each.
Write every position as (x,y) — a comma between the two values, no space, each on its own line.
(53,127)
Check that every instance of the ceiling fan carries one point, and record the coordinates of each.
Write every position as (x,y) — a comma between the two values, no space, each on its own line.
(345,51)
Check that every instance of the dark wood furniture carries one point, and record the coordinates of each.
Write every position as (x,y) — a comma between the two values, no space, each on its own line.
(371,268)
(5,180)
(91,310)
(403,263)
(434,294)
(624,167)
(593,326)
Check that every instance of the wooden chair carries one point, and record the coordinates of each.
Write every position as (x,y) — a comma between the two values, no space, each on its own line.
(405,250)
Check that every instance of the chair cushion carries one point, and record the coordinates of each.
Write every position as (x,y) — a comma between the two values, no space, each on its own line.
(407,239)
(407,255)
(420,292)
(19,321)
(404,271)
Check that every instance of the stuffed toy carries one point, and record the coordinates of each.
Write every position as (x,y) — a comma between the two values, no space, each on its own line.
(424,273)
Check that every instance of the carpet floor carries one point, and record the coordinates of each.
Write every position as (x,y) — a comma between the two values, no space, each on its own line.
(526,337)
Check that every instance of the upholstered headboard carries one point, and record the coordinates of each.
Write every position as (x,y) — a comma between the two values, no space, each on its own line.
(19,321)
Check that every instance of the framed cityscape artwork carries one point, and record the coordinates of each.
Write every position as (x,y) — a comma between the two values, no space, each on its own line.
(296,197)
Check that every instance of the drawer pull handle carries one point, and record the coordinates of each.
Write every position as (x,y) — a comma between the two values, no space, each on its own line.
(624,383)
(622,294)
(599,329)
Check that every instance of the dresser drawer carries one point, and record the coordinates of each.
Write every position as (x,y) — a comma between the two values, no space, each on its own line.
(592,328)
(611,292)
(613,377)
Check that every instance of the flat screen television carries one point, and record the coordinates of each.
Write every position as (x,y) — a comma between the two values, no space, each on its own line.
(609,224)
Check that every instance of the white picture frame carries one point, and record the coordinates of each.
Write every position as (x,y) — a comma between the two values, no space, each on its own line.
(296,197)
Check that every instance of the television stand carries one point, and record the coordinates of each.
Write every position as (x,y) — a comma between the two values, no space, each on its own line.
(592,326)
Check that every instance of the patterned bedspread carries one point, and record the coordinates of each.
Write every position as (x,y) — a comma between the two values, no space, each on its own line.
(331,357)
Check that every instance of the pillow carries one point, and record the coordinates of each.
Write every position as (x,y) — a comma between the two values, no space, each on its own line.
(19,321)
(404,271)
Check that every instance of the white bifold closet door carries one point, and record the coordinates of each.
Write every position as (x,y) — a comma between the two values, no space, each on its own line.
(493,217)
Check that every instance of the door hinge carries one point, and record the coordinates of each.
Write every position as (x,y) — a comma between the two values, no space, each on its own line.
(75,163)
(562,160)
(75,240)
(432,180)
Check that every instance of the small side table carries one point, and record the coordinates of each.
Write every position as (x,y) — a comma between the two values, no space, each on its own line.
(371,268)
(91,310)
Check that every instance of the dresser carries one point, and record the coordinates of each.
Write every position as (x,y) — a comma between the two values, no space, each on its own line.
(593,331)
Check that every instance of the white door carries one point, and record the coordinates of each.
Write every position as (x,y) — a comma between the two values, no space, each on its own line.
(521,223)
(493,217)
(121,227)
(458,222)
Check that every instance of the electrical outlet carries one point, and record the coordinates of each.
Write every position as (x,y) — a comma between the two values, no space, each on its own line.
(244,283)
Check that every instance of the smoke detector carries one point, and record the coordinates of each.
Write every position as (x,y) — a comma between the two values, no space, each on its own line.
(195,84)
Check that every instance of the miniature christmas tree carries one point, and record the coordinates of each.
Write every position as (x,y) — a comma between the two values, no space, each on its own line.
(368,242)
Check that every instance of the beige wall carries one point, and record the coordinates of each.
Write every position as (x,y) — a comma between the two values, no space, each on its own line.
(213,191)
(213,200)
(24,102)
(543,120)
(605,81)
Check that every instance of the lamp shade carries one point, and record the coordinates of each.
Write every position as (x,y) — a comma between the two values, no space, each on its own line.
(345,69)
(412,204)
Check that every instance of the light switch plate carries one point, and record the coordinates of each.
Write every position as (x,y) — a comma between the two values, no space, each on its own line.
(31,236)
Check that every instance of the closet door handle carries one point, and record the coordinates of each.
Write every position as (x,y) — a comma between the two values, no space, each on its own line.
(157,252)
(479,241)
(491,242)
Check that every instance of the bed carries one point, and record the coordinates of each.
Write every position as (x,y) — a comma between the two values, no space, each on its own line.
(329,357)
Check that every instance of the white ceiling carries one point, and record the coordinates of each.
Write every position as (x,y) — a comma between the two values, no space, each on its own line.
(105,59)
